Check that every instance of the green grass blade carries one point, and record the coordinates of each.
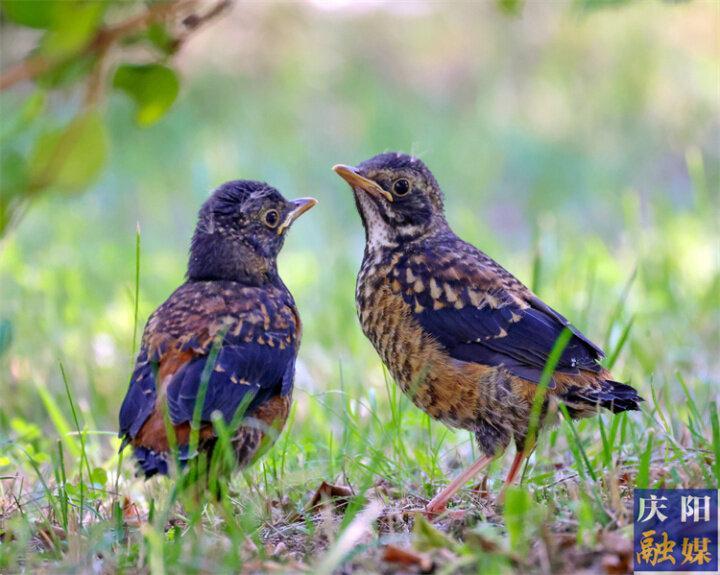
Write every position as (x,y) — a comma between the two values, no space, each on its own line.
(715,438)
(643,475)
(536,278)
(619,306)
(81,435)
(578,444)
(606,447)
(62,484)
(545,379)
(58,419)
(613,357)
(202,392)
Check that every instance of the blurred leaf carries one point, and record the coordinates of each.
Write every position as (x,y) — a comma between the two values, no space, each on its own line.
(25,430)
(74,25)
(486,537)
(67,72)
(597,4)
(6,335)
(510,7)
(153,87)
(33,106)
(156,34)
(30,110)
(70,158)
(518,505)
(14,172)
(31,14)
(13,182)
(428,537)
(98,477)
(161,39)
(587,527)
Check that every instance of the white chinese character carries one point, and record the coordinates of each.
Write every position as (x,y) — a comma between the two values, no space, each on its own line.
(691,507)
(655,507)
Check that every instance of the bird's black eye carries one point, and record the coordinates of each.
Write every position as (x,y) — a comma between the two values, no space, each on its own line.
(271,218)
(401,187)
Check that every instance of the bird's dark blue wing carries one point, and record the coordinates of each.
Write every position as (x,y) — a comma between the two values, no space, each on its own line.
(141,397)
(259,332)
(257,368)
(520,339)
(480,313)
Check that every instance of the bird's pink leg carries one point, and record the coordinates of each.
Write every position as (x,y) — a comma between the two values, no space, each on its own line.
(439,502)
(512,474)
(514,469)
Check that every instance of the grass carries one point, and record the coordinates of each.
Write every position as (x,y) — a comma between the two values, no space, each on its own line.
(69,500)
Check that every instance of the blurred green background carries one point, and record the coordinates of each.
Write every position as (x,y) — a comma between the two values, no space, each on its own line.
(574,145)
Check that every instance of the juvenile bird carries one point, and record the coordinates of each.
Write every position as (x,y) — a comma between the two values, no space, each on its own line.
(464,338)
(233,302)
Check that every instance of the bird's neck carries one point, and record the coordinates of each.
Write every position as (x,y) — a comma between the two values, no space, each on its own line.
(381,241)
(238,274)
(226,261)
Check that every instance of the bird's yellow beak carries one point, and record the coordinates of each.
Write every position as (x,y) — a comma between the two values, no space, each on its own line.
(302,205)
(356,181)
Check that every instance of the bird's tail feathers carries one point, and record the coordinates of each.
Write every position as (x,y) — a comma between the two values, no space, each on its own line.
(612,395)
(151,462)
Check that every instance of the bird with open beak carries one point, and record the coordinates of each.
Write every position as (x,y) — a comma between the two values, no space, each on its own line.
(234,302)
(464,338)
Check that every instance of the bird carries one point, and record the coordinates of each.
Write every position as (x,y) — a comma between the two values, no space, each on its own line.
(233,324)
(462,337)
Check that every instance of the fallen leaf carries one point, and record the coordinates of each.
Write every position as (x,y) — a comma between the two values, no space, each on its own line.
(408,558)
(617,558)
(339,495)
(131,513)
(614,565)
(485,539)
(565,540)
(49,534)
(279,551)
(624,478)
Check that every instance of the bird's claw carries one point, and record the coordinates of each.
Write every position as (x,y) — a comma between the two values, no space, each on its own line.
(433,513)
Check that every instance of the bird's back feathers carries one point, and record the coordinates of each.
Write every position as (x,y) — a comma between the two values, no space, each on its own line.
(257,333)
(481,313)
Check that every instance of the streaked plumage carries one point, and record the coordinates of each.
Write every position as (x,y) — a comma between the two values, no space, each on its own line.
(464,338)
(234,300)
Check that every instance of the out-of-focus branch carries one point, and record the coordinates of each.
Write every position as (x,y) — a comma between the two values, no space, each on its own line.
(195,21)
(25,70)
(180,20)
(35,65)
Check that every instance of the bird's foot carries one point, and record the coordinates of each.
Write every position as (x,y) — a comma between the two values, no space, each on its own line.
(500,499)
(432,511)
(435,512)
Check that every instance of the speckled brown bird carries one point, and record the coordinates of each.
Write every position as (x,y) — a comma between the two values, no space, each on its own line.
(234,302)
(464,338)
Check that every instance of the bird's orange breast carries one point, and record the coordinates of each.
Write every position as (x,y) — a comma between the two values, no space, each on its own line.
(456,392)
